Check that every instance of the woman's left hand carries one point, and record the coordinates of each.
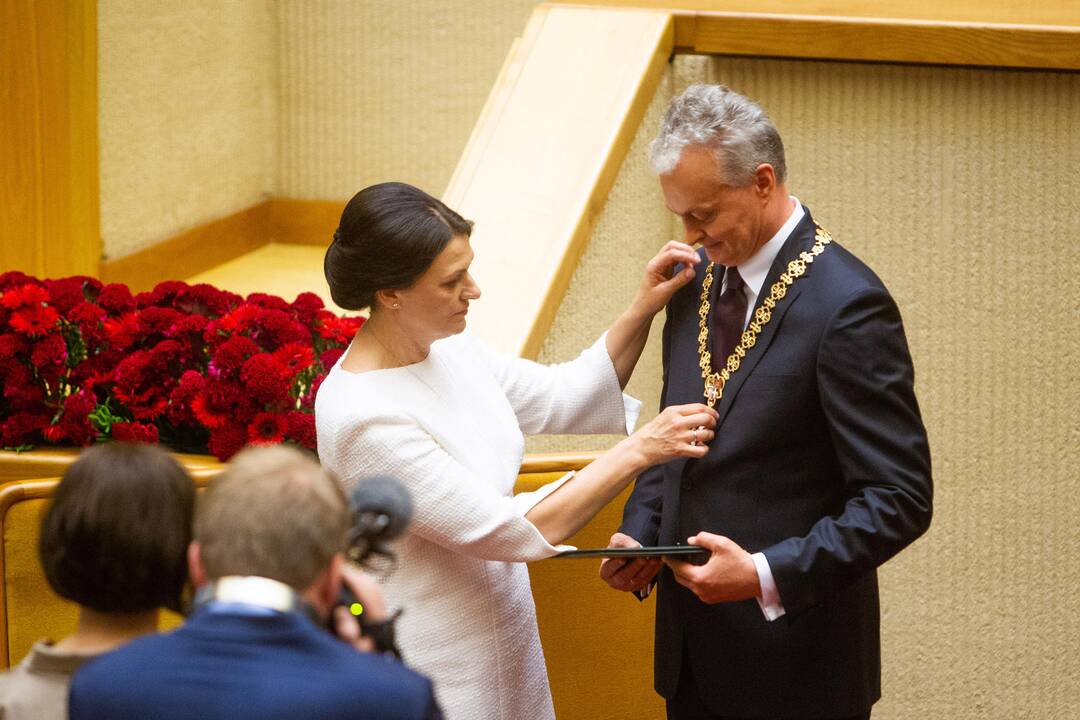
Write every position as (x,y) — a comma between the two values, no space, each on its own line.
(661,281)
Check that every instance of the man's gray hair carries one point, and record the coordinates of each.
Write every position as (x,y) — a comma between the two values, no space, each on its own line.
(736,128)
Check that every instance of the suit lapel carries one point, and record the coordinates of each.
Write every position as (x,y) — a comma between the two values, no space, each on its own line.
(802,238)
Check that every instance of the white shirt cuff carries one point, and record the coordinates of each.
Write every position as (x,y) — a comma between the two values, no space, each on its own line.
(770,597)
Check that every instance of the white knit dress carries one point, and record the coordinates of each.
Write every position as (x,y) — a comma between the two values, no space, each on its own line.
(450,427)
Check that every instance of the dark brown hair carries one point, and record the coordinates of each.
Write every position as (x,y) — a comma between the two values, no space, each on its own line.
(116,534)
(388,237)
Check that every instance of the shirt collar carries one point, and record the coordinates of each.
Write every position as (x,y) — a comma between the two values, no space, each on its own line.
(247,595)
(754,270)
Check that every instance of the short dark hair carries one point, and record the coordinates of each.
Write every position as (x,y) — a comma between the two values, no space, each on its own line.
(115,536)
(388,237)
(275,513)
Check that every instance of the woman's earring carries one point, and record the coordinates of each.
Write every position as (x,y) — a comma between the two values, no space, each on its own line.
(397,305)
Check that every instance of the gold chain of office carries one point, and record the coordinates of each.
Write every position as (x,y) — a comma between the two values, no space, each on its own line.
(715,381)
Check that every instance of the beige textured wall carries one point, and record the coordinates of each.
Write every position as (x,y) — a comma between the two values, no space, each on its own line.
(208,106)
(188,111)
(385,90)
(959,187)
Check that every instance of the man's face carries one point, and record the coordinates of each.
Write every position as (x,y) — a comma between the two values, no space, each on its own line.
(726,221)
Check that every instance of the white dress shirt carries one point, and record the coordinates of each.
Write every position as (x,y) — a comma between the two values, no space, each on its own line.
(753,273)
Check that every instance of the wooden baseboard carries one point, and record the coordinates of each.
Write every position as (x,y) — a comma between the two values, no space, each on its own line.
(281,220)
(191,252)
(302,222)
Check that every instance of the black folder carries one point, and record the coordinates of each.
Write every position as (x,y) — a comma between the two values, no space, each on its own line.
(691,553)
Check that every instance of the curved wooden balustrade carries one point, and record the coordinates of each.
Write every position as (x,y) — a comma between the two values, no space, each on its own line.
(583,624)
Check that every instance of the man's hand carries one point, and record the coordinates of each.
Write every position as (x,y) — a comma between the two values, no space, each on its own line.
(370,596)
(729,574)
(629,574)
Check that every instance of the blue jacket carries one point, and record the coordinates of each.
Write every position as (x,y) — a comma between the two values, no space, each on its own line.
(821,462)
(221,666)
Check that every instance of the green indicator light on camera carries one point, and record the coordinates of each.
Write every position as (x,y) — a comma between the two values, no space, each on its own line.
(356,609)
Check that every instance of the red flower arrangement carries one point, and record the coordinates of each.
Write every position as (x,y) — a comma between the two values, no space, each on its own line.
(196,368)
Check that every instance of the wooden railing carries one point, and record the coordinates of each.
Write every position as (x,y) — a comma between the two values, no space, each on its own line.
(582,622)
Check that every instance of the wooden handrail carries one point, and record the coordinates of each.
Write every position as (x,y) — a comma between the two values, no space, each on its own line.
(544,154)
(201,468)
(998,33)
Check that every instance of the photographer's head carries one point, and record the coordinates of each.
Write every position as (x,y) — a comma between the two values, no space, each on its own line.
(274,513)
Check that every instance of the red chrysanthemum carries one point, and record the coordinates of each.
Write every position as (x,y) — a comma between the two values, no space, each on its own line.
(65,293)
(268,429)
(337,329)
(206,300)
(24,296)
(227,440)
(34,321)
(162,295)
(22,427)
(188,325)
(48,357)
(52,351)
(302,429)
(139,388)
(294,358)
(237,321)
(11,347)
(307,306)
(330,357)
(135,432)
(116,299)
(263,377)
(219,403)
(90,320)
(21,391)
(74,424)
(14,278)
(231,355)
(270,302)
(275,328)
(190,386)
(159,320)
(124,331)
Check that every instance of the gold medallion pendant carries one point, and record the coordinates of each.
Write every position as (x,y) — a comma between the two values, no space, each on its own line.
(715,381)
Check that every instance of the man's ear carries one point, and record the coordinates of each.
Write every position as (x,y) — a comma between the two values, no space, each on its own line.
(323,591)
(764,180)
(196,571)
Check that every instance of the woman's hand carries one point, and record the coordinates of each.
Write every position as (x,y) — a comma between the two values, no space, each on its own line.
(679,431)
(661,281)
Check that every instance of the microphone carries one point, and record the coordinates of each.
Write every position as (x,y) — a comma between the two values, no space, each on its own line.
(381,508)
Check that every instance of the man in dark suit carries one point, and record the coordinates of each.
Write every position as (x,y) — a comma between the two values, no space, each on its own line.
(267,559)
(819,470)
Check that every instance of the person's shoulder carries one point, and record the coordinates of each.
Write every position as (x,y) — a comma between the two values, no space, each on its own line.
(838,276)
(139,653)
(365,675)
(391,682)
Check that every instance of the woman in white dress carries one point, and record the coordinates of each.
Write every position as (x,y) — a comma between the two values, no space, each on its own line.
(416,398)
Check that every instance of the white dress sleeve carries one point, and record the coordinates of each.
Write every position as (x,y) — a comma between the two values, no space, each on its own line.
(453,507)
(581,396)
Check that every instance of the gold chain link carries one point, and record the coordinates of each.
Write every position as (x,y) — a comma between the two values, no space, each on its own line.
(715,381)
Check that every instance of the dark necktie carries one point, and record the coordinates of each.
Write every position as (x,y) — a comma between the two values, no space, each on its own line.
(728,319)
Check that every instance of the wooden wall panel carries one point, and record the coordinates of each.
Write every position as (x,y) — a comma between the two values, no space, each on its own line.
(48,137)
